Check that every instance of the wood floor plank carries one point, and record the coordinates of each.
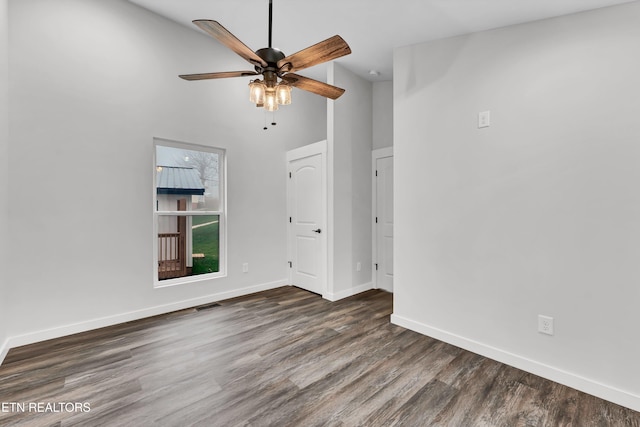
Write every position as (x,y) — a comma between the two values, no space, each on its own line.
(283,357)
(474,379)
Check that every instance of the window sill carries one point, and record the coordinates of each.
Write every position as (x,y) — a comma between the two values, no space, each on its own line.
(187,279)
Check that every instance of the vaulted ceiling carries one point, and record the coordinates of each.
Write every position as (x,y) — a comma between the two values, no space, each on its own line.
(371,27)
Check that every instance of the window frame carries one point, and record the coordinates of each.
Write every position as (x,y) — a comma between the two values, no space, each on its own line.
(221,212)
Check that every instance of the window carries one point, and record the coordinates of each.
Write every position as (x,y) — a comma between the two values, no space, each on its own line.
(189,212)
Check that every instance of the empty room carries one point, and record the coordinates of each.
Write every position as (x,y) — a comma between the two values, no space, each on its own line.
(337,213)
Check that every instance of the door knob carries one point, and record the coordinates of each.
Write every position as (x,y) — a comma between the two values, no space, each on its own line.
(317,231)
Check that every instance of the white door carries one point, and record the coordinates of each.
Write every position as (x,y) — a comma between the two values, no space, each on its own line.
(307,223)
(384,223)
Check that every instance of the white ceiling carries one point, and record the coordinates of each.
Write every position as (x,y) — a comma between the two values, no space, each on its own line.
(371,27)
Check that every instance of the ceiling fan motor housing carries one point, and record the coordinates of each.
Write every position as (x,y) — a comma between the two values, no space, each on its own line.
(271,56)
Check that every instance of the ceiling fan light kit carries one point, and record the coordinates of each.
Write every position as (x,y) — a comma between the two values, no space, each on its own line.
(274,66)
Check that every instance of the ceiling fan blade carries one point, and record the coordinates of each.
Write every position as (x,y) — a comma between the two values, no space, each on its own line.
(313,86)
(217,31)
(327,50)
(223,75)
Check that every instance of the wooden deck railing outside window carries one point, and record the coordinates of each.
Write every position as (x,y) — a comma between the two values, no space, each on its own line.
(171,255)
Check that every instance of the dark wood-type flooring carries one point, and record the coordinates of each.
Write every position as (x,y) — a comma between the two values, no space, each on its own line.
(283,357)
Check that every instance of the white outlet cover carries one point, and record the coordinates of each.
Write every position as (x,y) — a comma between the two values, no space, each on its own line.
(545,324)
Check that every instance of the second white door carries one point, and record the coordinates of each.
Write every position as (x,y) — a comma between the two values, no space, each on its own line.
(384,223)
(307,233)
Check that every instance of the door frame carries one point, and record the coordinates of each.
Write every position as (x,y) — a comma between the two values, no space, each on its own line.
(317,148)
(379,153)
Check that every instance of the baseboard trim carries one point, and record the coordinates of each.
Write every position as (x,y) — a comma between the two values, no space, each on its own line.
(4,349)
(603,391)
(61,331)
(348,292)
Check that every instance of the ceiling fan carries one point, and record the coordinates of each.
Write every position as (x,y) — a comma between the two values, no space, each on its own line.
(272,64)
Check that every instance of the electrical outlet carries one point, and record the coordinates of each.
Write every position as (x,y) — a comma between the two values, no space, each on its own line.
(545,324)
(358,266)
(245,267)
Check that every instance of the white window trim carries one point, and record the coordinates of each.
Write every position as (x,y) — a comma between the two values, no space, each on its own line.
(222,226)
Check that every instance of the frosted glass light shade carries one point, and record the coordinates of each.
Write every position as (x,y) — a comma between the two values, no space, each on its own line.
(257,91)
(283,94)
(270,103)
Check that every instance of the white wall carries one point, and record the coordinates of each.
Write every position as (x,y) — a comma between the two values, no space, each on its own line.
(537,214)
(92,84)
(4,172)
(382,114)
(349,146)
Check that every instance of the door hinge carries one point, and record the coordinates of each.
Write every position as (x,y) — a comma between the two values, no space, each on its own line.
(289,174)
(290,264)
(376,173)
(290,220)
(376,267)
(376,220)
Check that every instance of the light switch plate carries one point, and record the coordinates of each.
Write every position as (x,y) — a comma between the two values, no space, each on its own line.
(484,119)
